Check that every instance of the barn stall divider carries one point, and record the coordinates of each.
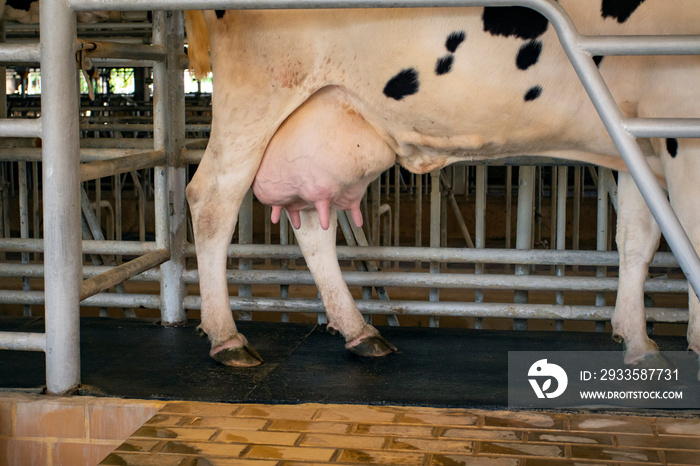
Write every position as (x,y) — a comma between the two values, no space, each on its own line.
(63,249)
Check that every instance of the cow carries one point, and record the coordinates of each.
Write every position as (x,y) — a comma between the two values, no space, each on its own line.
(432,86)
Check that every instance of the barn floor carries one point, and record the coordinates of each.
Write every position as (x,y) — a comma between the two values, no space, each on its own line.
(441,400)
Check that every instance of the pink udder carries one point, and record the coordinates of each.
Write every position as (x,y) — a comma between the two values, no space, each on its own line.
(324,155)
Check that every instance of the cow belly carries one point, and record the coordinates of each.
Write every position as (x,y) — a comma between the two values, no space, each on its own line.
(323,156)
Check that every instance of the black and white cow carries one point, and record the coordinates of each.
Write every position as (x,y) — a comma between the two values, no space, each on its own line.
(309,105)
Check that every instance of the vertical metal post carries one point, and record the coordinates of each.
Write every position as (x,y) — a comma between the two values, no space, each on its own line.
(62,231)
(284,239)
(4,202)
(509,204)
(602,236)
(268,229)
(169,133)
(523,240)
(435,211)
(576,227)
(419,212)
(459,184)
(245,236)
(562,190)
(24,223)
(36,216)
(554,214)
(375,188)
(480,231)
(397,207)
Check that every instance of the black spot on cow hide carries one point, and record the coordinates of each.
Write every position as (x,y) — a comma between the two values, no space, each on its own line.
(533,93)
(220,13)
(597,59)
(404,83)
(619,9)
(672,146)
(528,54)
(20,4)
(444,64)
(514,21)
(454,39)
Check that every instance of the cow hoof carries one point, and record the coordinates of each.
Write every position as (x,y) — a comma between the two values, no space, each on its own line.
(244,356)
(373,346)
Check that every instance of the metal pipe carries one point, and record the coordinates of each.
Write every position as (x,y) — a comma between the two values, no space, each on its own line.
(602,236)
(106,49)
(245,236)
(481,189)
(89,247)
(135,127)
(20,127)
(14,54)
(122,272)
(526,192)
(385,279)
(663,127)
(641,45)
(375,189)
(578,192)
(562,190)
(169,122)
(448,255)
(450,195)
(442,308)
(24,222)
(509,205)
(22,341)
(445,308)
(102,300)
(61,196)
(102,168)
(28,154)
(435,198)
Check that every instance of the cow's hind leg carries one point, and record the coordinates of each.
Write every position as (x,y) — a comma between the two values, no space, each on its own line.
(681,159)
(637,240)
(318,247)
(215,195)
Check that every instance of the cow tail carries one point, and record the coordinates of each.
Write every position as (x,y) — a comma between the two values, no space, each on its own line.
(198,43)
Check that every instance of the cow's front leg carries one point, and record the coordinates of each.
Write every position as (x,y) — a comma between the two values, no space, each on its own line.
(318,247)
(215,195)
(637,239)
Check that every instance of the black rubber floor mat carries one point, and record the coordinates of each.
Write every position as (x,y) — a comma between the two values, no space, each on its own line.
(433,367)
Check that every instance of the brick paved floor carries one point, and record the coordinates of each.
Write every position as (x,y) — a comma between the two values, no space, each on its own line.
(190,433)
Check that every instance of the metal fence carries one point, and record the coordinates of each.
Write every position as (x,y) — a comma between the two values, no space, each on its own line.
(163,150)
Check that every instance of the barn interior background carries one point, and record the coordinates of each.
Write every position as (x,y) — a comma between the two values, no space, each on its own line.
(475,246)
